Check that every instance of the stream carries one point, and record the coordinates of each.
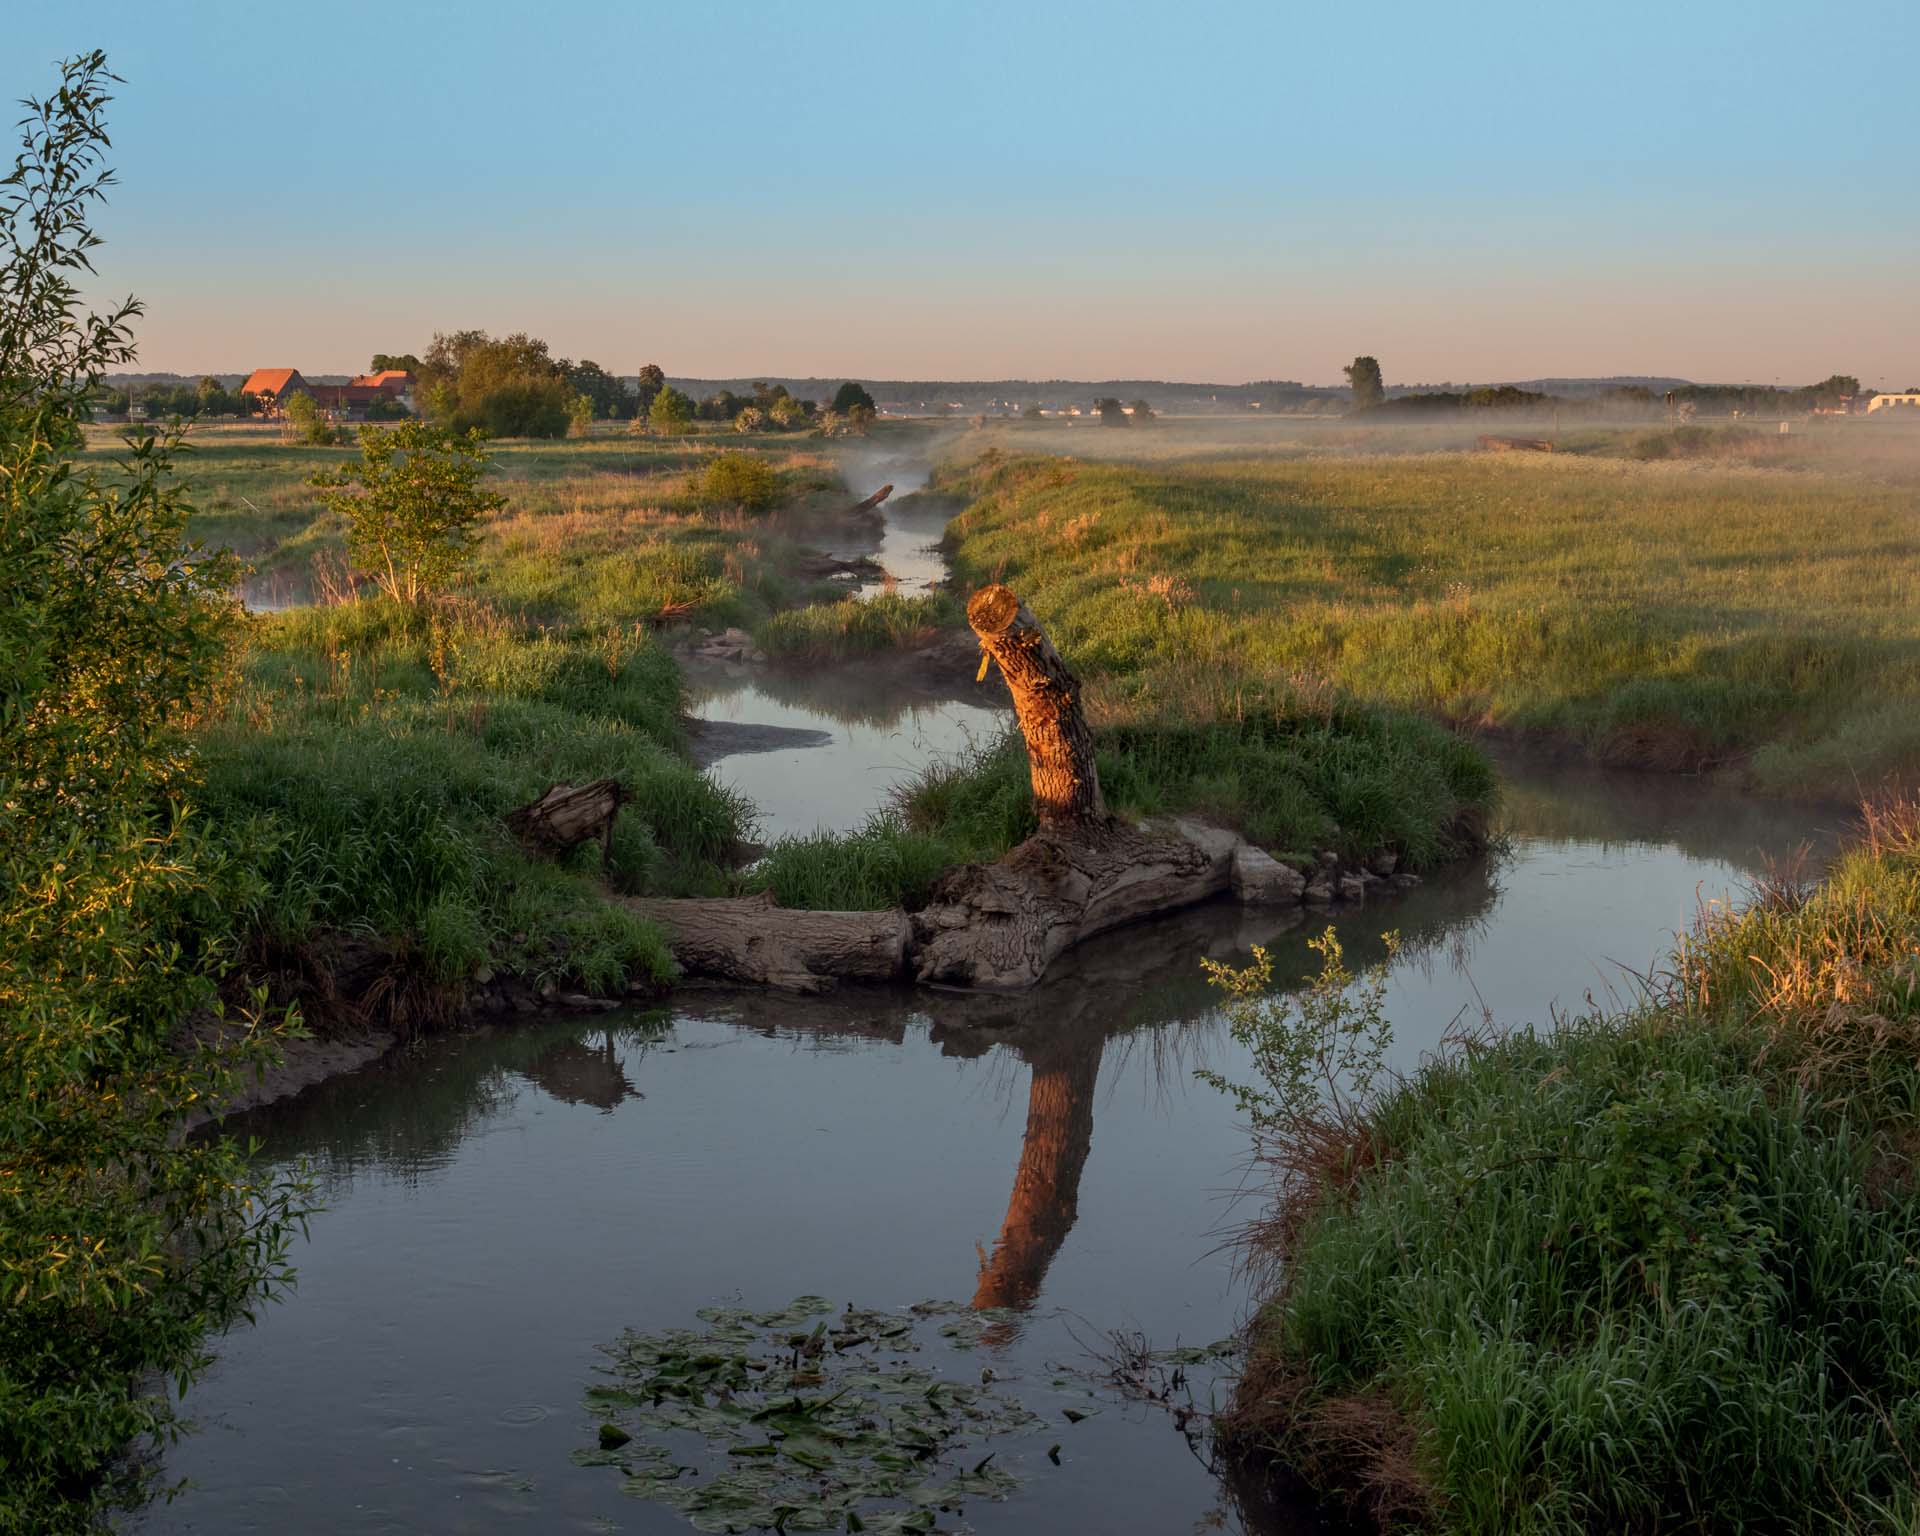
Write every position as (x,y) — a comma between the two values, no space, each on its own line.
(501,1203)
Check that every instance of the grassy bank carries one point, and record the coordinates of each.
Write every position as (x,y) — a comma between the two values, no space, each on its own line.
(1645,1271)
(357,766)
(1669,615)
(1296,780)
(833,631)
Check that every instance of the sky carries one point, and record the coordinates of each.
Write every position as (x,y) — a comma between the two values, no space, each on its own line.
(1201,191)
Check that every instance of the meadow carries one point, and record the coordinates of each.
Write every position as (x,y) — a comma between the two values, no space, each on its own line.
(355,768)
(1738,606)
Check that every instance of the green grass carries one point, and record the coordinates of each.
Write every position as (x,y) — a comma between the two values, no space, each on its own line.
(832,631)
(362,765)
(1352,780)
(1649,1271)
(1662,615)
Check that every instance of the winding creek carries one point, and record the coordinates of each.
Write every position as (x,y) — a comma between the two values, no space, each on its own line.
(500,1203)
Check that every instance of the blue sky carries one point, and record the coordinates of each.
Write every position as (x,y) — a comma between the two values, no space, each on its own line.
(1206,190)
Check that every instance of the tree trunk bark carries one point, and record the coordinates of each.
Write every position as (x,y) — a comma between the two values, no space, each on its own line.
(748,939)
(1046,698)
(566,815)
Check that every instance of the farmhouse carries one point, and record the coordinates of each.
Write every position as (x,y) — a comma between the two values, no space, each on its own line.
(275,387)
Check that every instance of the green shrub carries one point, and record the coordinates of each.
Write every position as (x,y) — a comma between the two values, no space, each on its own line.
(123,1244)
(741,479)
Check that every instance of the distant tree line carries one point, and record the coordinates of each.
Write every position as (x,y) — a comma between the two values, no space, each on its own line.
(512,386)
(163,402)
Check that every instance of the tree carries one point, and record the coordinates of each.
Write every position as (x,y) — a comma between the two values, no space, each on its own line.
(850,395)
(395,362)
(307,423)
(580,416)
(411,504)
(785,411)
(671,412)
(1112,412)
(1140,412)
(1031,411)
(1363,375)
(123,1242)
(750,419)
(507,386)
(650,382)
(611,401)
(860,420)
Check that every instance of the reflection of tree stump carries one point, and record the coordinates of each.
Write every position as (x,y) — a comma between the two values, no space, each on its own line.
(1046,1185)
(1046,697)
(566,815)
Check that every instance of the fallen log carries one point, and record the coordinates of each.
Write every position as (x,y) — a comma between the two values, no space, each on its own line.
(566,815)
(1491,444)
(749,939)
(873,501)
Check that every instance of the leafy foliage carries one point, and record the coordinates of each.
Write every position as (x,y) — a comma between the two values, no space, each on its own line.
(850,395)
(671,412)
(120,1244)
(742,479)
(411,504)
(1318,1056)
(1363,377)
(307,423)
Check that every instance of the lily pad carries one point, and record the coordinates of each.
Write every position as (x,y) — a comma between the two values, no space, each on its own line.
(812,1418)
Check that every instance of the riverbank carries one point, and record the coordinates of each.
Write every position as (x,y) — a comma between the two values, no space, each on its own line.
(1699,617)
(360,763)
(1641,1269)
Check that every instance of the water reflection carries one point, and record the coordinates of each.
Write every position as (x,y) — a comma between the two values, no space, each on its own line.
(502,1203)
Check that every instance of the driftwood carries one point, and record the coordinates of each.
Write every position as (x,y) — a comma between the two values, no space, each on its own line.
(1491,444)
(749,939)
(566,815)
(997,927)
(874,500)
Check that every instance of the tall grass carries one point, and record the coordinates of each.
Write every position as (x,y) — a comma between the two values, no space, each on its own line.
(887,621)
(1646,1271)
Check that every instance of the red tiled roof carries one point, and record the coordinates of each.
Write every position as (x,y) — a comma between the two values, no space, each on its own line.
(269,381)
(386,378)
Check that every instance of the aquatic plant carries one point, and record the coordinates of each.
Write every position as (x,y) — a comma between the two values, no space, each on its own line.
(812,1418)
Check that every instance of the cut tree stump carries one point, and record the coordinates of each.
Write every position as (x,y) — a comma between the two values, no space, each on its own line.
(566,815)
(1046,698)
(999,926)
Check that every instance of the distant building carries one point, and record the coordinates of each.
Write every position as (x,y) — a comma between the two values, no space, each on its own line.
(275,387)
(1893,403)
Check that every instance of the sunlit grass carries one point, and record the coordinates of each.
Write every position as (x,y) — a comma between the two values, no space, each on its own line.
(1666,615)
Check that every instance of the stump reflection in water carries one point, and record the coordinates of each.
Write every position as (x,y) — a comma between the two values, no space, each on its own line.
(1046,1185)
